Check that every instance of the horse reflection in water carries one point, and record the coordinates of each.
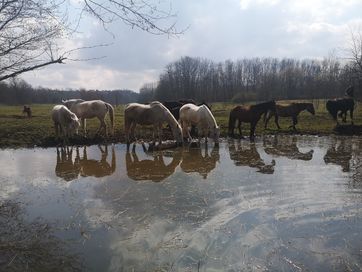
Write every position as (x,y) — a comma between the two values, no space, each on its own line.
(193,161)
(244,154)
(65,167)
(285,147)
(154,167)
(68,169)
(340,153)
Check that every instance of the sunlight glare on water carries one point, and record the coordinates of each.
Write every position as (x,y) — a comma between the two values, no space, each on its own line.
(285,203)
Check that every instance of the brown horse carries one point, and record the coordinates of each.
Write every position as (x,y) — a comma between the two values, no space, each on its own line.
(249,114)
(27,111)
(289,110)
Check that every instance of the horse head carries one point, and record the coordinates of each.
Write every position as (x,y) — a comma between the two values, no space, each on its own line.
(310,108)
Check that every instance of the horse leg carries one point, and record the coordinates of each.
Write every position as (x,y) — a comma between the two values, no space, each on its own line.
(159,131)
(56,128)
(295,121)
(276,120)
(351,115)
(132,130)
(252,131)
(84,126)
(268,116)
(102,125)
(239,128)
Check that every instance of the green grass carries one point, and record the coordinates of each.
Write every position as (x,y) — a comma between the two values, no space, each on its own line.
(18,131)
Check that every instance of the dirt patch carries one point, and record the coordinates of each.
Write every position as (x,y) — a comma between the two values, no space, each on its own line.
(348,129)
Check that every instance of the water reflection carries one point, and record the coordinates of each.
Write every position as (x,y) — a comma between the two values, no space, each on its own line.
(32,246)
(339,153)
(304,217)
(70,169)
(199,160)
(246,154)
(153,167)
(65,167)
(285,147)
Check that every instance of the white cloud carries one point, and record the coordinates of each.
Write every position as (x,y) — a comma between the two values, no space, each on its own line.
(218,30)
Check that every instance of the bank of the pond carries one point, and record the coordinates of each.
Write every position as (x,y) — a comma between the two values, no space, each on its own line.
(19,131)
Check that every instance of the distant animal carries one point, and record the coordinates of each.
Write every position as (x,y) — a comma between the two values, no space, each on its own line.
(339,107)
(91,109)
(27,111)
(289,110)
(65,121)
(249,114)
(154,114)
(202,118)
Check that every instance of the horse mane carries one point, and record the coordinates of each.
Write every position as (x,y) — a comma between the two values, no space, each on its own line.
(209,115)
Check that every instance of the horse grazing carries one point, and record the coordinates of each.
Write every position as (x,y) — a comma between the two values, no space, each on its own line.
(339,107)
(249,114)
(27,111)
(289,110)
(65,121)
(152,114)
(90,109)
(202,118)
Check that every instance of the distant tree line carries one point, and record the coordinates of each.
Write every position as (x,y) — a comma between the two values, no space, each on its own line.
(18,92)
(251,79)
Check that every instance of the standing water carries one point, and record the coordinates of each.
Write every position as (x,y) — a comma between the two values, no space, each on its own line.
(286,203)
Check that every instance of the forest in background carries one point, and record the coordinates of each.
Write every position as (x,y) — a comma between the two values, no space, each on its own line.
(255,79)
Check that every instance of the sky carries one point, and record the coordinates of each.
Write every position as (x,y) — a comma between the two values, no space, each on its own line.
(218,30)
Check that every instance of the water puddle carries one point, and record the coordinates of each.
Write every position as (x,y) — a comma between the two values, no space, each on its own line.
(289,203)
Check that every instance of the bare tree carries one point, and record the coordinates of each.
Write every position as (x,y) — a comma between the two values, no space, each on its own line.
(27,30)
(142,14)
(355,52)
(30,29)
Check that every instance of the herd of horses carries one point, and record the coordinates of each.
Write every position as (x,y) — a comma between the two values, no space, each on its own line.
(185,116)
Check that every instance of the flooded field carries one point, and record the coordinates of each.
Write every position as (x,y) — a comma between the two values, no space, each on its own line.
(288,203)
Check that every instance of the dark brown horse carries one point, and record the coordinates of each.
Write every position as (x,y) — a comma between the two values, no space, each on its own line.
(340,106)
(249,114)
(27,111)
(289,110)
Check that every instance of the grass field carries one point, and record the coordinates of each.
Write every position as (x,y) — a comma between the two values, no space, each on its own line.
(18,131)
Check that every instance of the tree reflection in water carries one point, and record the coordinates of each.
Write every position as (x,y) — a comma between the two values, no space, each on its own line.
(31,246)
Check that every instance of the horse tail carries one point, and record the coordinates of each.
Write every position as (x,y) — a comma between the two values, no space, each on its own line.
(111,115)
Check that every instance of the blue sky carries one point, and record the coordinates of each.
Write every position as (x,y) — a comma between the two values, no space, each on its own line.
(217,30)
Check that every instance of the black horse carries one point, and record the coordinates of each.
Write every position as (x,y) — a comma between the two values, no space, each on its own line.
(340,106)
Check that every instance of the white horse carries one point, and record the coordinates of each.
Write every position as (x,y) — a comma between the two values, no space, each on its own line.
(65,121)
(202,118)
(153,114)
(90,109)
